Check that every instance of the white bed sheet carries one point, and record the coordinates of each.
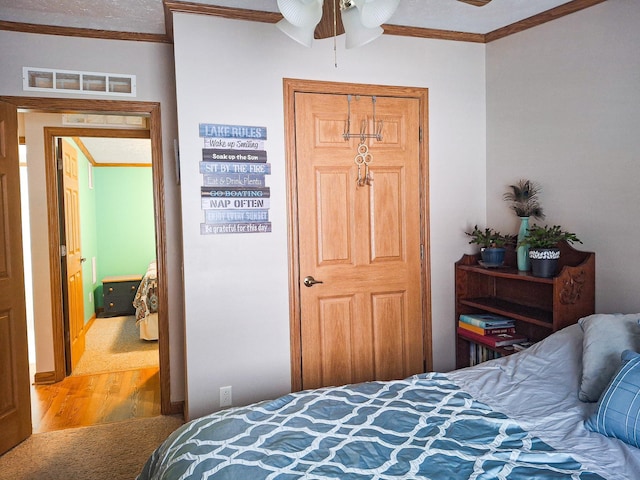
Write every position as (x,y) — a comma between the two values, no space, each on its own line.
(539,389)
(149,327)
(146,304)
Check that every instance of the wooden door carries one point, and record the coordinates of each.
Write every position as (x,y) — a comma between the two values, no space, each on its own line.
(15,406)
(74,295)
(365,320)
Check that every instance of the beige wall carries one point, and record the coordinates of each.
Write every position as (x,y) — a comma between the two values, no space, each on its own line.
(236,286)
(38,219)
(153,66)
(563,108)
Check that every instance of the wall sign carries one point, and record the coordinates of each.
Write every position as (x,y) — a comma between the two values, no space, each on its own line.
(234,195)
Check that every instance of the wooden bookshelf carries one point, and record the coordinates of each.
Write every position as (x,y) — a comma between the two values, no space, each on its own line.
(540,306)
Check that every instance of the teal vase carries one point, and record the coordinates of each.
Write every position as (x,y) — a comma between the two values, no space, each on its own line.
(522,251)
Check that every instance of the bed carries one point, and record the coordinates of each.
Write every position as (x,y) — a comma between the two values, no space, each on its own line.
(146,304)
(517,417)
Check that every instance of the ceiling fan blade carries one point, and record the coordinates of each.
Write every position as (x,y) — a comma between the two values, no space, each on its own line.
(376,12)
(476,3)
(301,13)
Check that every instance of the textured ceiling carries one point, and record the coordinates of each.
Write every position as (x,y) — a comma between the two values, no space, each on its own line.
(116,150)
(119,15)
(147,16)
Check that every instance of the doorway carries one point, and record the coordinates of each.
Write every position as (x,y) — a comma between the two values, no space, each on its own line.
(360,238)
(118,237)
(152,111)
(109,204)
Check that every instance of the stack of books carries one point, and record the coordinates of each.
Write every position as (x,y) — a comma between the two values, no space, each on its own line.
(488,329)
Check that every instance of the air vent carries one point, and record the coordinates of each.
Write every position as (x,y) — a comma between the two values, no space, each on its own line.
(110,121)
(92,83)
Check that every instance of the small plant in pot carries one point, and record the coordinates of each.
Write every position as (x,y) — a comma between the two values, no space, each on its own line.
(492,245)
(543,248)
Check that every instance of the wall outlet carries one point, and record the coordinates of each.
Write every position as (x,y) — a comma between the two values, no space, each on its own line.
(225,396)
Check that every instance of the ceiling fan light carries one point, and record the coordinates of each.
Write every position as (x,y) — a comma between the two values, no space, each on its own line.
(356,33)
(302,35)
(301,13)
(374,13)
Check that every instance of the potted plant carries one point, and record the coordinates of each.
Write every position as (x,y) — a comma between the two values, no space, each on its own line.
(492,245)
(543,248)
(523,200)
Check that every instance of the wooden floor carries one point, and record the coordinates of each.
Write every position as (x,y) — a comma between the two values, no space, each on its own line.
(94,399)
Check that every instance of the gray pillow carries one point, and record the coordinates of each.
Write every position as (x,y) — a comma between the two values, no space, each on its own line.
(605,338)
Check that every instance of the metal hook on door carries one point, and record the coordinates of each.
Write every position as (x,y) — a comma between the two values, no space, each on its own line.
(363,129)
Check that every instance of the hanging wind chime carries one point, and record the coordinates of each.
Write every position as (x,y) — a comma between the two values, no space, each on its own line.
(363,156)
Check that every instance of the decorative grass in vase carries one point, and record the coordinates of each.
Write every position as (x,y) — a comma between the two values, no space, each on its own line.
(523,199)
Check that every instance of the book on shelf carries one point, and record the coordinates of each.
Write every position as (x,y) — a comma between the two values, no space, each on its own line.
(499,340)
(486,331)
(479,353)
(487,320)
(522,345)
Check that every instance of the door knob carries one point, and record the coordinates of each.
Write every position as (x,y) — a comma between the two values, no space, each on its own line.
(82,259)
(310,281)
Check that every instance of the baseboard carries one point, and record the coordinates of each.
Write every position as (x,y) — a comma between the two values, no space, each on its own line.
(78,347)
(87,325)
(175,408)
(44,378)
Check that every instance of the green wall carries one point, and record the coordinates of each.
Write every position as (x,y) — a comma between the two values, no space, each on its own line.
(117,225)
(125,222)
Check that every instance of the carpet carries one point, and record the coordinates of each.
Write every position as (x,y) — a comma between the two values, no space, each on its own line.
(114,344)
(115,451)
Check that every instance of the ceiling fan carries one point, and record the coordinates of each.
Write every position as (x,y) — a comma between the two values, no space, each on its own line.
(361,20)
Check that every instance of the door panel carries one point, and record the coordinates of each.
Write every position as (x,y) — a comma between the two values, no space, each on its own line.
(334,236)
(15,407)
(336,324)
(387,216)
(388,333)
(365,321)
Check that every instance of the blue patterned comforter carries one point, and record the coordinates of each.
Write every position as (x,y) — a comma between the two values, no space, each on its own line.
(421,427)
